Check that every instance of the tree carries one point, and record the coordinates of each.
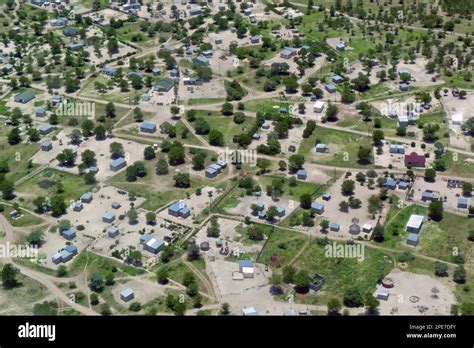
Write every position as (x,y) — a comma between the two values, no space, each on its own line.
(301,281)
(182,180)
(88,158)
(105,309)
(58,205)
(306,200)
(39,202)
(132,216)
(334,306)
(378,233)
(150,217)
(14,136)
(227,109)
(96,282)
(9,274)
(459,275)
(61,271)
(216,138)
(8,188)
(441,269)
(87,127)
(435,210)
(371,304)
(162,167)
(116,150)
(288,274)
(35,237)
(353,297)
(295,162)
(344,206)
(377,137)
(466,189)
(167,254)
(375,205)
(324,224)
(110,110)
(66,158)
(430,174)
(225,309)
(364,154)
(347,187)
(176,154)
(162,275)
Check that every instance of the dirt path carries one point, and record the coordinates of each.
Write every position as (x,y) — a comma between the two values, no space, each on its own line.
(205,281)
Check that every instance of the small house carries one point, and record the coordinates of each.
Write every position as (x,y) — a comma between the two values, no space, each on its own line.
(46,145)
(391,183)
(218,40)
(414,223)
(45,129)
(318,106)
(112,232)
(260,206)
(211,173)
(463,202)
(403,185)
(382,293)
(93,169)
(326,196)
(78,206)
(249,311)
(69,234)
(330,88)
(179,209)
(404,87)
(288,52)
(337,79)
(109,71)
(25,96)
(148,127)
(201,60)
(154,245)
(40,112)
(341,46)
(255,39)
(265,126)
(86,197)
(164,84)
(246,268)
(321,147)
(317,207)
(429,195)
(334,227)
(127,295)
(301,174)
(413,239)
(280,211)
(156,71)
(117,164)
(116,205)
(367,228)
(195,11)
(397,148)
(108,217)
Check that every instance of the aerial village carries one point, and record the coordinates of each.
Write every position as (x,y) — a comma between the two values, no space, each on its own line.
(218,157)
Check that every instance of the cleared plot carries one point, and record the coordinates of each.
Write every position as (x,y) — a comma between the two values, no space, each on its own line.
(49,182)
(343,148)
(437,239)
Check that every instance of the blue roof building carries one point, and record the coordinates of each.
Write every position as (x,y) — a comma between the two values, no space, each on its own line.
(429,196)
(463,202)
(40,112)
(280,211)
(326,196)
(148,127)
(288,53)
(255,39)
(154,245)
(78,206)
(211,173)
(179,209)
(195,11)
(260,205)
(117,164)
(94,169)
(245,263)
(86,197)
(341,46)
(256,136)
(201,60)
(330,88)
(75,46)
(156,71)
(413,239)
(134,74)
(112,232)
(391,183)
(404,87)
(317,207)
(56,99)
(109,71)
(301,174)
(397,148)
(108,217)
(45,129)
(334,227)
(403,185)
(46,145)
(69,233)
(337,79)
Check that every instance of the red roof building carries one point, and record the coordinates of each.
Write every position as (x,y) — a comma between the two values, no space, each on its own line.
(415,160)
